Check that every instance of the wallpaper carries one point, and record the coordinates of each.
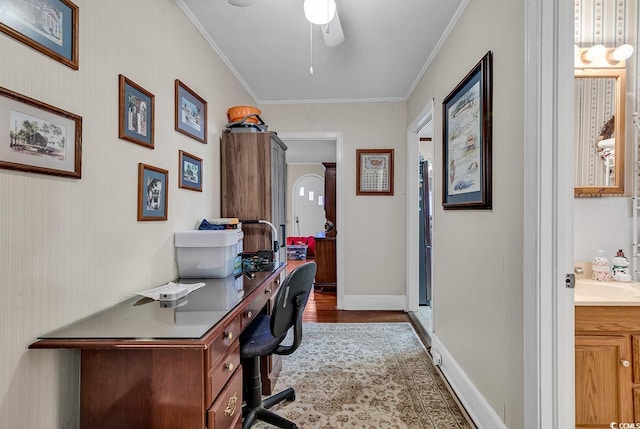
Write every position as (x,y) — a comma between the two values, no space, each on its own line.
(611,23)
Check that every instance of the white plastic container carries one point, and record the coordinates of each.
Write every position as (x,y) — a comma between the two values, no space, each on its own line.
(207,254)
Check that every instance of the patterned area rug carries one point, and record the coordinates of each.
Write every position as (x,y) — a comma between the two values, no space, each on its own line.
(365,376)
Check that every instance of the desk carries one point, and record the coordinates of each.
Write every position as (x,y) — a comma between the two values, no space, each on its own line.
(144,364)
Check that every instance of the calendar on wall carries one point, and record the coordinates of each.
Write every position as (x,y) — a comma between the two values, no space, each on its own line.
(374,172)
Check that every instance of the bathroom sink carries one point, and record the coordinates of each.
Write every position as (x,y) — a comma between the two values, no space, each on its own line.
(592,292)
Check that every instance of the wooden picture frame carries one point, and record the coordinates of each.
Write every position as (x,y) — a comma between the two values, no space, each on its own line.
(190,168)
(190,113)
(51,29)
(466,160)
(153,193)
(39,138)
(136,113)
(374,172)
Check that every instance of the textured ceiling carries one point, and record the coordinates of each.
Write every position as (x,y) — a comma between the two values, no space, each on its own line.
(267,46)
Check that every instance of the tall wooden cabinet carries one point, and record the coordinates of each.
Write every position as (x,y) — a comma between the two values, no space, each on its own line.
(326,275)
(253,182)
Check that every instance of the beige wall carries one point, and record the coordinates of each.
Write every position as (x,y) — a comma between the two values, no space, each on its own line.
(374,226)
(478,254)
(71,247)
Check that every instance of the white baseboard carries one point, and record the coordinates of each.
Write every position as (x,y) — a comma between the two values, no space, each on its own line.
(373,302)
(482,414)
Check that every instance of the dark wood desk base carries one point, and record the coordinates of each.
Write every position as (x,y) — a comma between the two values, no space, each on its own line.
(169,384)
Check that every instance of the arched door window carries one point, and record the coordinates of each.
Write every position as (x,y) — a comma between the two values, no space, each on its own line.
(308,206)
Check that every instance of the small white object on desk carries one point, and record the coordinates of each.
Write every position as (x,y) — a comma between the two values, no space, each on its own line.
(171,291)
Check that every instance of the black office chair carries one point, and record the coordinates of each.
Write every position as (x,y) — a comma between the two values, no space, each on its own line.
(264,337)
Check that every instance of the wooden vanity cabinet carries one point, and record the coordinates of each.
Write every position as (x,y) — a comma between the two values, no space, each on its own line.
(607,365)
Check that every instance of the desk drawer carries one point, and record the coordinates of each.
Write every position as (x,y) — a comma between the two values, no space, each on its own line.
(221,344)
(258,303)
(226,411)
(222,371)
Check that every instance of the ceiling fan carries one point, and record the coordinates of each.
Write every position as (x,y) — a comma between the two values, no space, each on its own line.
(320,12)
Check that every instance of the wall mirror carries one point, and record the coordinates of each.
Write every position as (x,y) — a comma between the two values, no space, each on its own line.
(600,129)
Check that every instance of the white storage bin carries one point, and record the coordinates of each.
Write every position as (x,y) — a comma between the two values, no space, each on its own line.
(207,254)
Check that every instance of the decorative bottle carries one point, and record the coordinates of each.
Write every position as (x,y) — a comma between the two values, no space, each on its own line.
(621,272)
(600,268)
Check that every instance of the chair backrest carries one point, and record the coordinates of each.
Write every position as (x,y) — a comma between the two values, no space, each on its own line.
(292,298)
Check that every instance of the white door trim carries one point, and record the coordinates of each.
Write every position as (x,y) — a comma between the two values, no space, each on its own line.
(548,305)
(413,210)
(338,136)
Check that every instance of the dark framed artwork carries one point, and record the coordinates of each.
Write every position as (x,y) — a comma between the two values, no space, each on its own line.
(466,182)
(39,138)
(50,27)
(136,112)
(374,169)
(190,168)
(153,192)
(191,113)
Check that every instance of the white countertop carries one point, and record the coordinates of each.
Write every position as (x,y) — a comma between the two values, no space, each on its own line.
(592,292)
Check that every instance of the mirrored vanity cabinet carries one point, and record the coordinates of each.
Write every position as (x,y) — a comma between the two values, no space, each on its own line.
(600,87)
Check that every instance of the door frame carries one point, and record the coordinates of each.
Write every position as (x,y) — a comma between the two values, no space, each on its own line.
(413,210)
(338,137)
(549,395)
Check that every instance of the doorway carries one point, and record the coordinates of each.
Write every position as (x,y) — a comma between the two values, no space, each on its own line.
(307,205)
(307,149)
(420,182)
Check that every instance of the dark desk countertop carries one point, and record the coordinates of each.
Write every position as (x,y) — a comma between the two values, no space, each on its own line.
(140,318)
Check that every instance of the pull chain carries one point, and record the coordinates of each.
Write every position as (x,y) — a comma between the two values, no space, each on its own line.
(310,48)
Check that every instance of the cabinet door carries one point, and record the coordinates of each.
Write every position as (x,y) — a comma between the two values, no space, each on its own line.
(279,191)
(603,381)
(245,171)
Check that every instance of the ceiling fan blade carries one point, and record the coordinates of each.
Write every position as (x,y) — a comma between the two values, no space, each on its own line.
(243,3)
(332,32)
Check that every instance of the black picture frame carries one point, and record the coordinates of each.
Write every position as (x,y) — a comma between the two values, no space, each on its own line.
(467,145)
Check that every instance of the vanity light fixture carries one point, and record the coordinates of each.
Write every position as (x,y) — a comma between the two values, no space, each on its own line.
(622,52)
(599,56)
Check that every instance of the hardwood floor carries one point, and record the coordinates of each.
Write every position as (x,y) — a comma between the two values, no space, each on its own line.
(321,308)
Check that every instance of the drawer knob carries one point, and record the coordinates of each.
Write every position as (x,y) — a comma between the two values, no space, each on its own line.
(231,406)
(249,314)
(228,335)
(228,367)
(625,363)
(267,291)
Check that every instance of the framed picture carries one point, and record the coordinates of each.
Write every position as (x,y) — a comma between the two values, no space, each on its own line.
(136,111)
(39,138)
(190,169)
(50,27)
(374,169)
(152,193)
(191,113)
(466,182)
